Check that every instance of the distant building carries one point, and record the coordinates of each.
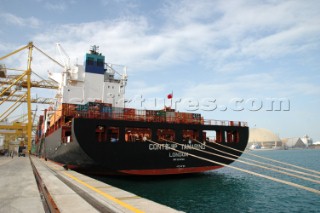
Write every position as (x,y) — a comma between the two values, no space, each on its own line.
(263,138)
(291,143)
(307,140)
(315,145)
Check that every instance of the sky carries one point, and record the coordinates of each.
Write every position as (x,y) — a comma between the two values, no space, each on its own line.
(256,61)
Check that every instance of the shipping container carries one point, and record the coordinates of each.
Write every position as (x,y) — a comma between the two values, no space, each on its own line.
(82,108)
(106,109)
(160,116)
(196,116)
(170,116)
(161,113)
(94,106)
(129,111)
(141,112)
(117,112)
(150,112)
(141,115)
(68,109)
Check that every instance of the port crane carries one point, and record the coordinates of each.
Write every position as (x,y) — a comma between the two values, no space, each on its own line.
(16,88)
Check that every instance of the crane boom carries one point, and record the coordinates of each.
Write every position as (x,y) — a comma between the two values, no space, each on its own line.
(45,84)
(33,100)
(66,59)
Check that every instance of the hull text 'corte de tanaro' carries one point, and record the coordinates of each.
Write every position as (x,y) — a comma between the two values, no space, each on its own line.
(90,130)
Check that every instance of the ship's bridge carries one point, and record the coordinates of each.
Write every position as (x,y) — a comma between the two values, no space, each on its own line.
(94,81)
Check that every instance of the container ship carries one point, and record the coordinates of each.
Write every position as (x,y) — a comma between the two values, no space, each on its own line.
(90,130)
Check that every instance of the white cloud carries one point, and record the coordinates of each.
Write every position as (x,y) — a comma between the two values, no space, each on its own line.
(285,42)
(258,85)
(225,36)
(57,6)
(228,43)
(12,19)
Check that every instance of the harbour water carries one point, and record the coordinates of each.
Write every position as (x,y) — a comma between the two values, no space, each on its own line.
(229,190)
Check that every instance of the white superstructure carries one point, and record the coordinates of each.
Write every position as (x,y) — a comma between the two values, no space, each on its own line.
(94,81)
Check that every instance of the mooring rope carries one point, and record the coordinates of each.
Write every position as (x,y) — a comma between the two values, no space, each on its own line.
(246,171)
(261,163)
(258,156)
(251,164)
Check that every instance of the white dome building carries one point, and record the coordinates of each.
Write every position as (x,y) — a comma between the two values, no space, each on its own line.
(264,139)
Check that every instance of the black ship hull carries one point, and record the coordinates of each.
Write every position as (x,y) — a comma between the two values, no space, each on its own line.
(85,151)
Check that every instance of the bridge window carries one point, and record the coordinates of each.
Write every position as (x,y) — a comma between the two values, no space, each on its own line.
(90,61)
(100,62)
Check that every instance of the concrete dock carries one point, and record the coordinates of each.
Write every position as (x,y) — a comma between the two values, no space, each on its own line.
(18,187)
(62,190)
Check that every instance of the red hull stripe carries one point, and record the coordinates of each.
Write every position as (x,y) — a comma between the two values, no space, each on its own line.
(170,171)
(158,171)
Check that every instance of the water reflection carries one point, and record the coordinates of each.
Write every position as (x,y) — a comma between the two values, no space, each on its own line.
(228,190)
(191,193)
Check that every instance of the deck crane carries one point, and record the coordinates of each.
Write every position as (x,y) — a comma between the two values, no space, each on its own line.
(66,59)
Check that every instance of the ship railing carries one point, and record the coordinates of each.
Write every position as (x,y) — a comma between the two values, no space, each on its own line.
(152,118)
(224,123)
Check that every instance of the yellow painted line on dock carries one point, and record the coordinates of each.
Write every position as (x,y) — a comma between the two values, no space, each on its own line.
(106,195)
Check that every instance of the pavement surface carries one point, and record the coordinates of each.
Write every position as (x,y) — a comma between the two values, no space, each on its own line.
(70,191)
(18,187)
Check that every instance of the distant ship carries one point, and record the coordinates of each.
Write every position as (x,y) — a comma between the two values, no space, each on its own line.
(90,130)
(258,147)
